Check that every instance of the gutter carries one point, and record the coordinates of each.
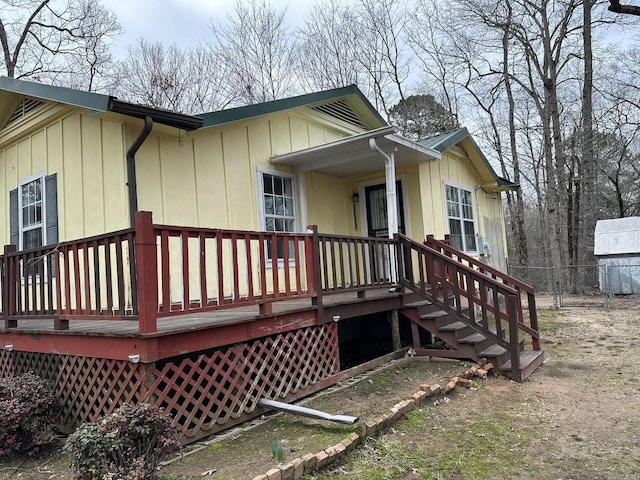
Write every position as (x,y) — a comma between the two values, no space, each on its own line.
(150,116)
(165,117)
(132,183)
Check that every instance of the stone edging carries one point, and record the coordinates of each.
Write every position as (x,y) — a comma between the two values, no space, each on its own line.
(296,468)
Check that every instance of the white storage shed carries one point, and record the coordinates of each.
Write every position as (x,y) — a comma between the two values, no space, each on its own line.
(617,246)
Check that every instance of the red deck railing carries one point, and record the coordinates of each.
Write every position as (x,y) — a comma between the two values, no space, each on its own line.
(153,271)
(524,292)
(90,278)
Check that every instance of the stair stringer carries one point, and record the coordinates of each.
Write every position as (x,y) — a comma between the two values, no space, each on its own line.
(441,324)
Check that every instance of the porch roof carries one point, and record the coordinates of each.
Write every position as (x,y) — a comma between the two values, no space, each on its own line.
(353,156)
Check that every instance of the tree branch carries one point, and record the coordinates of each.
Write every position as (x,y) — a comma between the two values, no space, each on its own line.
(625,9)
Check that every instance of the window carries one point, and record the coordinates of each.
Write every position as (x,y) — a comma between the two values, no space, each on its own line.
(460,216)
(277,205)
(33,212)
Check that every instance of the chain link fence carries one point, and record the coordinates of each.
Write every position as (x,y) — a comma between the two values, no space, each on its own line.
(611,283)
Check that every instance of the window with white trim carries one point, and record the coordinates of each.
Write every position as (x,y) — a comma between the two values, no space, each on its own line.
(460,218)
(277,204)
(33,211)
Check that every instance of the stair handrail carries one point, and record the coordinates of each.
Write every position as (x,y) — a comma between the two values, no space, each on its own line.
(520,287)
(441,281)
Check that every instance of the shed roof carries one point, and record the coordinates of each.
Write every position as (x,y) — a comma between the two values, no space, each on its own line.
(617,236)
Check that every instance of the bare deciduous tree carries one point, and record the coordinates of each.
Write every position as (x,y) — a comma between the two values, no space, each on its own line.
(629,9)
(258,51)
(362,42)
(329,53)
(188,81)
(57,42)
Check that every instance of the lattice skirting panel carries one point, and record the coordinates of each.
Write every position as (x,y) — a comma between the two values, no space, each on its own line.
(208,390)
(87,387)
(202,391)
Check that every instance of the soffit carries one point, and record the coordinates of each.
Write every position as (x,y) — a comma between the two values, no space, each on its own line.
(353,155)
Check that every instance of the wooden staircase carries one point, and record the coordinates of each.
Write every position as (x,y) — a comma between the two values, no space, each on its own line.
(475,310)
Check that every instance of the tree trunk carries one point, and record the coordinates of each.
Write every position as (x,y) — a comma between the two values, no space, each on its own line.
(588,158)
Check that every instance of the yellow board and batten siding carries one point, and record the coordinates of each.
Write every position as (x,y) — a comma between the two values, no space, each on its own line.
(455,168)
(87,154)
(209,178)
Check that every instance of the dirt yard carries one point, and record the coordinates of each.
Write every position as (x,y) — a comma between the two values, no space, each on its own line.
(575,418)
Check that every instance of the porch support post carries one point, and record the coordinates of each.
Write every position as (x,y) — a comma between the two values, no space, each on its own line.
(395,330)
(312,264)
(147,273)
(392,200)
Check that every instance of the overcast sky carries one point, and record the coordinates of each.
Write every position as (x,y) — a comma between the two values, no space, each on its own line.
(184,22)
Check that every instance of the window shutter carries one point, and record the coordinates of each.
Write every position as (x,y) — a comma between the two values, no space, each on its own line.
(51,192)
(14,228)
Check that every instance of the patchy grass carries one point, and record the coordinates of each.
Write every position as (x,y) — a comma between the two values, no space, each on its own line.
(574,418)
(438,443)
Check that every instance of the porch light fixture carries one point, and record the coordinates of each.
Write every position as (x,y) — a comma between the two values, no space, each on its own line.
(355,198)
(134,358)
(336,318)
(8,347)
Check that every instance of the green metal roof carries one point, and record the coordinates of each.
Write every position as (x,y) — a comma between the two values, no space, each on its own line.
(97,102)
(92,101)
(352,92)
(445,141)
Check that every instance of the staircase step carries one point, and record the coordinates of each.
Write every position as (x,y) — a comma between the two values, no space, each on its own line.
(453,327)
(529,361)
(494,350)
(418,304)
(434,315)
(473,338)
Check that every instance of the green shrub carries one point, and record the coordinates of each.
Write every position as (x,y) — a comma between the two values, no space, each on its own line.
(28,413)
(126,445)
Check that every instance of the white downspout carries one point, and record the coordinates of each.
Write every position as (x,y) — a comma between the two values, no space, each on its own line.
(390,179)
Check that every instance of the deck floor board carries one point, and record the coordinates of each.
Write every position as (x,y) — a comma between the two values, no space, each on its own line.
(196,320)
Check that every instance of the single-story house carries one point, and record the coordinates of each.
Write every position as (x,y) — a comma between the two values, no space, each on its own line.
(138,242)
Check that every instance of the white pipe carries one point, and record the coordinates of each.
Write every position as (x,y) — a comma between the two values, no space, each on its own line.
(390,179)
(306,412)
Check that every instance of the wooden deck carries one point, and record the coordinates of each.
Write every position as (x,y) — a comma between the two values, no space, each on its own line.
(120,317)
(190,332)
(378,300)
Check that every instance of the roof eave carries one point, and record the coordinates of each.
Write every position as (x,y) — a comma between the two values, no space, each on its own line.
(250,111)
(164,117)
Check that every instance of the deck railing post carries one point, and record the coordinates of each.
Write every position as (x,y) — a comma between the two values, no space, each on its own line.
(533,319)
(9,282)
(147,273)
(312,257)
(514,343)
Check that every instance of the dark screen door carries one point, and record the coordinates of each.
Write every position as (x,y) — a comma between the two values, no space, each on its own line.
(377,221)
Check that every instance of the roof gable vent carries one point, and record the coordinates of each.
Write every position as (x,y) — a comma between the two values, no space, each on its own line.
(340,110)
(26,106)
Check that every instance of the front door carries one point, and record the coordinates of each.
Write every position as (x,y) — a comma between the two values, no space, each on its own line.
(376,205)
(382,268)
